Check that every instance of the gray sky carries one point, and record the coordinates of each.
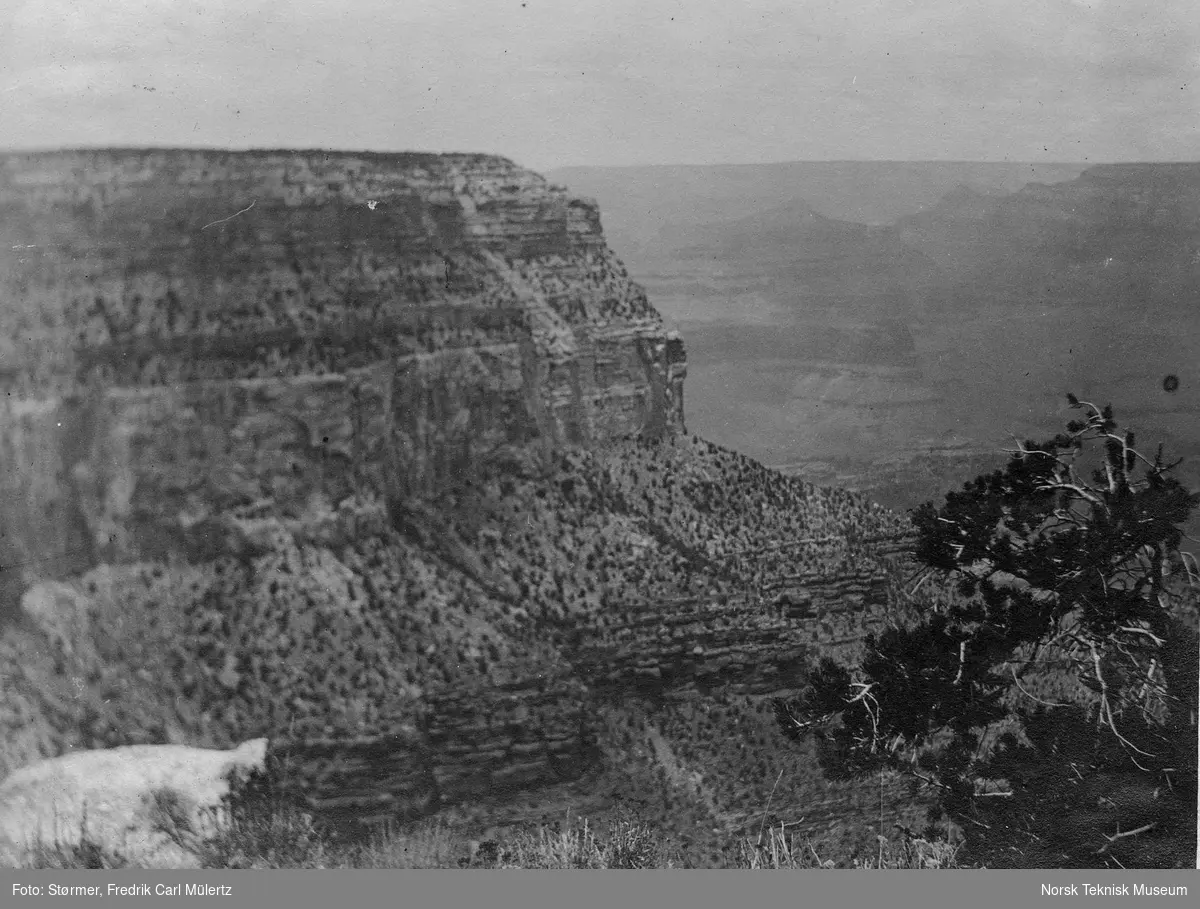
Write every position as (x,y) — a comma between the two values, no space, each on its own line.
(612,81)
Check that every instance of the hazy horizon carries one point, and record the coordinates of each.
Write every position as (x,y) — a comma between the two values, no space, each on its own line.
(350,150)
(612,82)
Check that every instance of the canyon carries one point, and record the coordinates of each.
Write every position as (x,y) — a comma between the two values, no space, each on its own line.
(383,458)
(850,322)
(193,335)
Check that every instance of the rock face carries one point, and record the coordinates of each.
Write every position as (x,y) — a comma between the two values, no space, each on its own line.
(480,742)
(379,457)
(191,337)
(119,796)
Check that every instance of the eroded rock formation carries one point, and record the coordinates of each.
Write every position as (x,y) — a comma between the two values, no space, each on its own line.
(192,338)
(381,457)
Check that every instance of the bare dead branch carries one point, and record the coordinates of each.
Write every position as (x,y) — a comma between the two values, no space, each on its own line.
(1120,836)
(1032,697)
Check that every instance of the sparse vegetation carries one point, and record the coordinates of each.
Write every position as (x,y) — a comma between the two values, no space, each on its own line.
(641,552)
(1046,696)
(262,832)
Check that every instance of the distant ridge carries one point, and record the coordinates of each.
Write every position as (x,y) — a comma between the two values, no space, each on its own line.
(638,202)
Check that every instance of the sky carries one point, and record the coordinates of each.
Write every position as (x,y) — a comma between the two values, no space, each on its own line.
(552,83)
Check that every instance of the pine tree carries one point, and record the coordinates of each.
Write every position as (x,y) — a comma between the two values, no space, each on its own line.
(1045,692)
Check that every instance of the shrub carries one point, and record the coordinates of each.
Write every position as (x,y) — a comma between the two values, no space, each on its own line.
(262,824)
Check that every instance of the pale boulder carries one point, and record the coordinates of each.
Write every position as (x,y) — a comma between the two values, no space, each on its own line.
(121,792)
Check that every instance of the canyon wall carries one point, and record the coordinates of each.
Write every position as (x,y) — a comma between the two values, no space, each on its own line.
(192,341)
(381,457)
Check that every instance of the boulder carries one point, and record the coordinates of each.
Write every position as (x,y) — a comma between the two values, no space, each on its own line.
(124,800)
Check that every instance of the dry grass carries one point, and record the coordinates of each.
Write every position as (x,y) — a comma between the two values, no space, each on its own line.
(274,834)
(628,845)
(778,849)
(83,851)
(428,845)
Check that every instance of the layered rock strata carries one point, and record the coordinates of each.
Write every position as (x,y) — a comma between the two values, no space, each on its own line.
(189,335)
(296,375)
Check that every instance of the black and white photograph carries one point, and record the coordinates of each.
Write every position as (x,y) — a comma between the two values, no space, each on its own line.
(599,434)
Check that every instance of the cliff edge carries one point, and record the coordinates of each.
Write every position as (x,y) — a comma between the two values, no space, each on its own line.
(381,458)
(192,337)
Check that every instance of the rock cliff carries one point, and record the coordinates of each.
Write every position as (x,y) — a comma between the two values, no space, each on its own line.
(382,457)
(192,337)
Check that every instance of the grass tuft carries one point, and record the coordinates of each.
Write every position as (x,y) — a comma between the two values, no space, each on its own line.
(259,826)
